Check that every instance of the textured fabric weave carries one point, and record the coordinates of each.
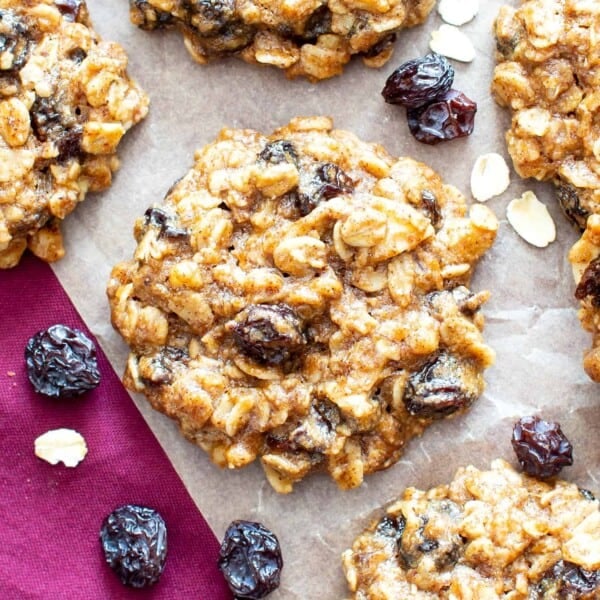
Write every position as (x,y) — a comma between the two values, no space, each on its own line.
(50,516)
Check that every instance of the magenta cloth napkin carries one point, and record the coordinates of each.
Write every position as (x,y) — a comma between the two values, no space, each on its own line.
(50,516)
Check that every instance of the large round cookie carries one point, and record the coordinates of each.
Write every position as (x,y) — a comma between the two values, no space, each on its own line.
(301,297)
(311,38)
(548,74)
(488,535)
(65,103)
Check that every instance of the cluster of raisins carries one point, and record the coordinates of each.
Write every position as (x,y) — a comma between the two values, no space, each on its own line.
(435,111)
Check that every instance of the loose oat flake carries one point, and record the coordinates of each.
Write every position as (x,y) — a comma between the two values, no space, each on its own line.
(490,176)
(61,445)
(453,43)
(531,220)
(458,12)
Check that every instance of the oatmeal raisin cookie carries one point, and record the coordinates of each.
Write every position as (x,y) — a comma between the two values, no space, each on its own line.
(65,103)
(311,38)
(548,74)
(301,298)
(487,535)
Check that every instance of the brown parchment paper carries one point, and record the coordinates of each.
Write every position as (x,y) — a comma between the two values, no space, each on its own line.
(531,318)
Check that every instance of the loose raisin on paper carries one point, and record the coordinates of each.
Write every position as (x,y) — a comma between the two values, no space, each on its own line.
(250,560)
(419,81)
(541,447)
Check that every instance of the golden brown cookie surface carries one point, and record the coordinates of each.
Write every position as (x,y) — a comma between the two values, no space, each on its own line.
(65,103)
(487,535)
(311,38)
(301,298)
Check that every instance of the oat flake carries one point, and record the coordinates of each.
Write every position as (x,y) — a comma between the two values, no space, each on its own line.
(453,43)
(458,12)
(490,176)
(531,220)
(61,445)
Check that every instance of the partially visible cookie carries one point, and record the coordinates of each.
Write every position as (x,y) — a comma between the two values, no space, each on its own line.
(487,535)
(65,103)
(548,74)
(310,38)
(585,260)
(301,298)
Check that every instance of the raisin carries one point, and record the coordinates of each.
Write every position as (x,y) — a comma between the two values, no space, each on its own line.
(134,540)
(381,46)
(431,207)
(61,362)
(71,9)
(541,447)
(210,17)
(250,560)
(567,580)
(321,183)
(77,55)
(45,118)
(68,143)
(157,217)
(145,16)
(419,81)
(318,23)
(450,116)
(270,334)
(317,430)
(278,152)
(569,201)
(589,496)
(164,362)
(589,284)
(443,386)
(15,41)
(392,527)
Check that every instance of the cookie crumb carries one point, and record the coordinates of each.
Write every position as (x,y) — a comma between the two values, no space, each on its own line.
(61,445)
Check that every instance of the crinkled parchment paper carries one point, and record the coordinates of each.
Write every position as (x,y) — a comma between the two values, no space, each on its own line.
(531,318)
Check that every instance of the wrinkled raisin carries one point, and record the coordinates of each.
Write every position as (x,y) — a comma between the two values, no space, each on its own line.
(450,116)
(68,143)
(589,285)
(567,580)
(392,527)
(61,362)
(569,201)
(278,152)
(431,207)
(321,183)
(443,386)
(541,447)
(250,560)
(15,41)
(164,362)
(157,217)
(270,334)
(71,9)
(210,17)
(134,540)
(318,23)
(419,81)
(145,16)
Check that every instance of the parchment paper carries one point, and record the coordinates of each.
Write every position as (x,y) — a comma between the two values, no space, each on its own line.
(531,318)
